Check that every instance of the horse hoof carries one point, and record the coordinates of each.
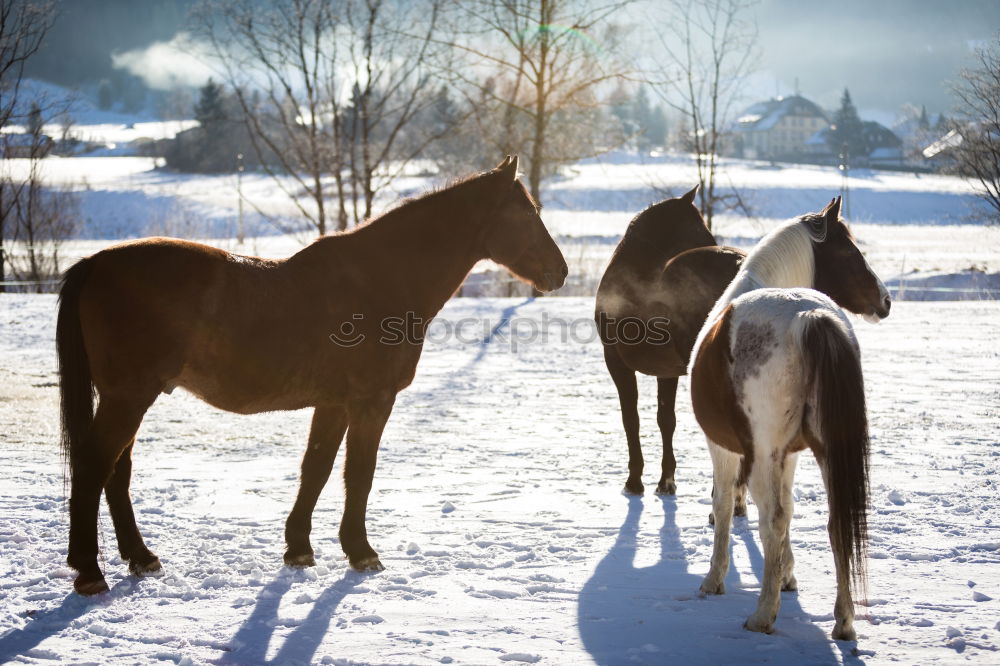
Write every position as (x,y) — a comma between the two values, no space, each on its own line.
(842,634)
(708,587)
(88,587)
(147,568)
(711,519)
(367,564)
(740,510)
(300,560)
(790,585)
(633,488)
(668,488)
(761,627)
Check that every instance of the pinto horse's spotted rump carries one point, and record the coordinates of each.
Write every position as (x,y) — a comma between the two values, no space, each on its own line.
(251,335)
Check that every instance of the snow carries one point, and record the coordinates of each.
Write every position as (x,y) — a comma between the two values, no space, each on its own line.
(540,559)
(904,222)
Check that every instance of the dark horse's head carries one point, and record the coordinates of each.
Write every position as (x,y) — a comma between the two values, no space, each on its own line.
(842,273)
(516,237)
(671,226)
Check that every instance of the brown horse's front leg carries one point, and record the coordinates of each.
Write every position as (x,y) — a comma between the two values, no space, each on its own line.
(666,419)
(628,398)
(367,421)
(328,426)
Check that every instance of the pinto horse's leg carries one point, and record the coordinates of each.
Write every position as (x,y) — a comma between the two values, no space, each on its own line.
(328,426)
(367,420)
(666,419)
(628,397)
(130,544)
(725,471)
(115,423)
(771,488)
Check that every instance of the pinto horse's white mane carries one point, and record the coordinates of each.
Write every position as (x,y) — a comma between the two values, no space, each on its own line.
(782,259)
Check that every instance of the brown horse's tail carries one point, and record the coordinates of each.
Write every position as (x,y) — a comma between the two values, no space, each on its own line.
(75,386)
(839,391)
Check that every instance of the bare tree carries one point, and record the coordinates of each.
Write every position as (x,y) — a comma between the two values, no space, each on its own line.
(978,155)
(536,64)
(38,218)
(23,26)
(328,88)
(710,46)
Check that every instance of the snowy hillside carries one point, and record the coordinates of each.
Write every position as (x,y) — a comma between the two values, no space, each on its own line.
(904,222)
(498,514)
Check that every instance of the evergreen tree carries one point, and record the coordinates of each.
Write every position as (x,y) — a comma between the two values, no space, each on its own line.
(847,131)
(104,95)
(641,116)
(210,111)
(35,120)
(620,105)
(924,124)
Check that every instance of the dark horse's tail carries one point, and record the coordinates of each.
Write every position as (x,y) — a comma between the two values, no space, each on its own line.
(835,366)
(75,386)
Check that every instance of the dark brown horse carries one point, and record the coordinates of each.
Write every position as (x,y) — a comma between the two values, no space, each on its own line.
(663,279)
(319,329)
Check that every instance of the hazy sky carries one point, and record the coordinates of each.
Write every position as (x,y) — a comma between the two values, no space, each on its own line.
(886,52)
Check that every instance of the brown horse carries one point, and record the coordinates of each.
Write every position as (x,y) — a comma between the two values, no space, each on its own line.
(777,371)
(338,326)
(662,280)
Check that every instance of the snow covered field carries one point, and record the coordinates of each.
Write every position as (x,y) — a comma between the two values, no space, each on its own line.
(497,511)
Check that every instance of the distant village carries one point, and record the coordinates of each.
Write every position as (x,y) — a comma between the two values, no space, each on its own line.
(796,129)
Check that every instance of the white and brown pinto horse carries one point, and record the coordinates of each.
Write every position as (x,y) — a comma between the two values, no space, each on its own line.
(776,370)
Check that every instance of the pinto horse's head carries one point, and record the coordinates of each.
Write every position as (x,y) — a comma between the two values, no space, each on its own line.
(516,237)
(842,273)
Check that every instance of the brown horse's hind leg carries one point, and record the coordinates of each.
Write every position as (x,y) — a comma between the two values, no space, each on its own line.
(114,426)
(666,419)
(367,421)
(628,397)
(325,436)
(130,544)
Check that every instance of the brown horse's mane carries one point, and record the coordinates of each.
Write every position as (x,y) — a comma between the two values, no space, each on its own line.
(436,194)
(432,196)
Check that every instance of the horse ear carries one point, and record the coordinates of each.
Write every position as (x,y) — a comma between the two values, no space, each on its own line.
(508,168)
(832,210)
(689,197)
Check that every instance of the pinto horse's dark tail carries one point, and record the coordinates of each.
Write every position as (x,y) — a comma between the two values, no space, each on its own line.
(75,386)
(835,366)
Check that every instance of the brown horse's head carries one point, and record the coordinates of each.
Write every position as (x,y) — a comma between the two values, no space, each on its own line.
(516,237)
(842,273)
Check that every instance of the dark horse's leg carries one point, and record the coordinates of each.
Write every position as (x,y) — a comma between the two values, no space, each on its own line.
(130,544)
(115,424)
(628,396)
(666,395)
(367,420)
(328,426)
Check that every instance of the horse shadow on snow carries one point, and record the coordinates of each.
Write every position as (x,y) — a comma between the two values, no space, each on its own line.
(654,615)
(251,642)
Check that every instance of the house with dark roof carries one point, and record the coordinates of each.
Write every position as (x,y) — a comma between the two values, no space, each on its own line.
(777,129)
(885,149)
